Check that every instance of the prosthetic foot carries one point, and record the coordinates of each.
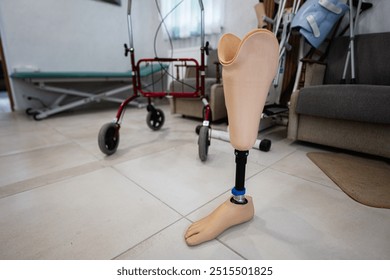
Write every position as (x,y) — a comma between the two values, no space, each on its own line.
(249,66)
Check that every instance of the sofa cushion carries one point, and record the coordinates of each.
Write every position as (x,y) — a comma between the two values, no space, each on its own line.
(364,103)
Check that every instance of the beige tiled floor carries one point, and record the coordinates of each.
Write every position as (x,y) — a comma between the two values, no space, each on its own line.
(4,102)
(61,198)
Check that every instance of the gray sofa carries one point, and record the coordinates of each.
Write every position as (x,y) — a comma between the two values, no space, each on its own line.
(355,116)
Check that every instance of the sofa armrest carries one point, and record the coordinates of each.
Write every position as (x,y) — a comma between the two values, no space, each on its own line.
(314,72)
(217,102)
(216,93)
(292,131)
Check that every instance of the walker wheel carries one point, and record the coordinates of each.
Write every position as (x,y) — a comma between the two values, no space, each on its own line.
(203,142)
(30,111)
(197,129)
(155,119)
(108,138)
(36,116)
(265,145)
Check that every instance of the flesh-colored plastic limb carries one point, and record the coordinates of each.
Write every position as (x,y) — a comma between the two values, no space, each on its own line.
(249,66)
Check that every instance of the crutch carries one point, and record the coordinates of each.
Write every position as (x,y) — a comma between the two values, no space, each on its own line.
(353,24)
(286,32)
(351,48)
(278,16)
(285,17)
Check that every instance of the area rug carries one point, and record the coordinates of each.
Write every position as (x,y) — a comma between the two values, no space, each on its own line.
(365,180)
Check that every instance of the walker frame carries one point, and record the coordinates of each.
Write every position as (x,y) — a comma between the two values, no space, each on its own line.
(108,138)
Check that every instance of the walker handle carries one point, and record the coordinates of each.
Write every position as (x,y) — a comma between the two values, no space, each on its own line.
(130,28)
(200,4)
(201,23)
(129,7)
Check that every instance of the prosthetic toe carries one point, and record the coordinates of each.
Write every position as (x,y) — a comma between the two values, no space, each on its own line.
(225,216)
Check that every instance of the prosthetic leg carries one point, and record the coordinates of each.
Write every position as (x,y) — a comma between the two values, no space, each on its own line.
(249,66)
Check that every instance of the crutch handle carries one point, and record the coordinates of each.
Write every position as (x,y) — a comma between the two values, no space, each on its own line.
(268,20)
(127,50)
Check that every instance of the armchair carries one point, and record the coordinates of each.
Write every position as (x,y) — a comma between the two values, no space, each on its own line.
(356,116)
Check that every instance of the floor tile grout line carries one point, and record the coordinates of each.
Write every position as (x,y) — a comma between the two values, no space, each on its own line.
(125,159)
(36,149)
(255,174)
(305,179)
(231,249)
(149,237)
(282,158)
(185,217)
(169,225)
(274,169)
(47,182)
(203,205)
(147,191)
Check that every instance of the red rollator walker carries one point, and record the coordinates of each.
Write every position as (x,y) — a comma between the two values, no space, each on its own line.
(108,138)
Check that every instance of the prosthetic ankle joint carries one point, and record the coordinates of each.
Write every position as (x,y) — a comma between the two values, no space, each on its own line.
(239,190)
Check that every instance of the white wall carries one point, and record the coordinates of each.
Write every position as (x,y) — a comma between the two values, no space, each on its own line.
(377,19)
(88,35)
(240,17)
(63,35)
(67,35)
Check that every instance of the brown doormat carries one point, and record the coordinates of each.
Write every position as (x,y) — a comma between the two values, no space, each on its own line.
(365,180)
